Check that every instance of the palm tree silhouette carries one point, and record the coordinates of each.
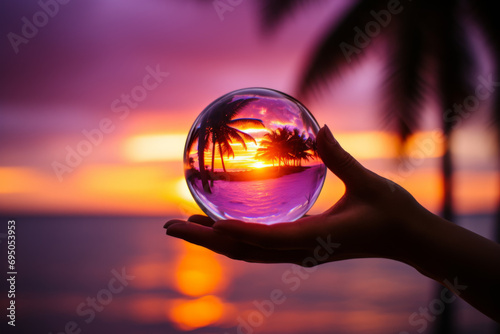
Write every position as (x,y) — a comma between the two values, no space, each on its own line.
(426,50)
(285,146)
(269,147)
(218,128)
(487,13)
(300,147)
(272,146)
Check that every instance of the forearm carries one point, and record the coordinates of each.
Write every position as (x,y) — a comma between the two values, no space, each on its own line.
(467,263)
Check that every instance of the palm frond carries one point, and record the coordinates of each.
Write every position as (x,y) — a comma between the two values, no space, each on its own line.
(233,108)
(226,148)
(405,86)
(241,137)
(330,56)
(454,63)
(274,11)
(486,15)
(244,123)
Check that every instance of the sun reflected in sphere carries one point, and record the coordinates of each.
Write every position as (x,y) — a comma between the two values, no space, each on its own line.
(251,155)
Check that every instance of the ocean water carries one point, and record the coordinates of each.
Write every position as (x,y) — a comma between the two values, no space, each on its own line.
(66,262)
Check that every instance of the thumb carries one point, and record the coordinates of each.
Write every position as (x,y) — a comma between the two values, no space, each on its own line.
(341,163)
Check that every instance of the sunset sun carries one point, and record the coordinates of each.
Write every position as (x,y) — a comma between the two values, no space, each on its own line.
(259,164)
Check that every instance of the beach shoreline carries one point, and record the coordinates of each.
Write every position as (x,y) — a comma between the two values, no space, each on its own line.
(263,173)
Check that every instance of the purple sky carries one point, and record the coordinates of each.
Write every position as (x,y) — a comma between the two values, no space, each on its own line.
(91,52)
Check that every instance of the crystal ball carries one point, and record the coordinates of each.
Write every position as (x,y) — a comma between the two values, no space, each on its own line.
(251,155)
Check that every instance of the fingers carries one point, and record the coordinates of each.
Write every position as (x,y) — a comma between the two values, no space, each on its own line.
(198,219)
(341,163)
(200,230)
(201,220)
(192,232)
(223,244)
(173,221)
(297,235)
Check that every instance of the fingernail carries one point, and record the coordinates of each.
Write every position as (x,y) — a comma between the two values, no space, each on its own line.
(167,224)
(173,221)
(329,135)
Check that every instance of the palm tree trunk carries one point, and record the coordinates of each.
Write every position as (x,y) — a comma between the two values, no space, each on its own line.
(497,216)
(447,169)
(222,158)
(496,117)
(213,152)
(496,114)
(213,160)
(496,235)
(201,162)
(497,223)
(444,322)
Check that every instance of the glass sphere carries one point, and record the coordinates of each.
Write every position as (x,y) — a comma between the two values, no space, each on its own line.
(251,155)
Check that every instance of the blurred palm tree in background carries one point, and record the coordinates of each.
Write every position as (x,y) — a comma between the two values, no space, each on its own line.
(429,57)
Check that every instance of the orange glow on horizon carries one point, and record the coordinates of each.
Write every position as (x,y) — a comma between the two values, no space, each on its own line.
(20,180)
(362,145)
(260,164)
(157,187)
(155,147)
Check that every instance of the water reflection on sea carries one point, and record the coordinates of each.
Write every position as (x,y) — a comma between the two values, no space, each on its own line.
(177,287)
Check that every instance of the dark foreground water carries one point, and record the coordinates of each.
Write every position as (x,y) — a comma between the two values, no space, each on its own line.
(123,275)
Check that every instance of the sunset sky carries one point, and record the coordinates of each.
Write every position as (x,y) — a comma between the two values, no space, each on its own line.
(121,82)
(96,103)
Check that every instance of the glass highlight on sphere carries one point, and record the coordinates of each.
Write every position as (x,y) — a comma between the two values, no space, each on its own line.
(251,155)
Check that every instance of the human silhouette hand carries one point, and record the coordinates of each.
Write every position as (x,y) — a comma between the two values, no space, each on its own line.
(374,218)
(370,220)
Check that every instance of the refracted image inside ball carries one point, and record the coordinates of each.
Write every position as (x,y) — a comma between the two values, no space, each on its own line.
(251,155)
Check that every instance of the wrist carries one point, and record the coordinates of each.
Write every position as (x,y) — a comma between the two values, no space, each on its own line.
(418,249)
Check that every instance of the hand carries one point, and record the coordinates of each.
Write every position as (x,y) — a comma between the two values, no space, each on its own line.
(370,220)
(374,218)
